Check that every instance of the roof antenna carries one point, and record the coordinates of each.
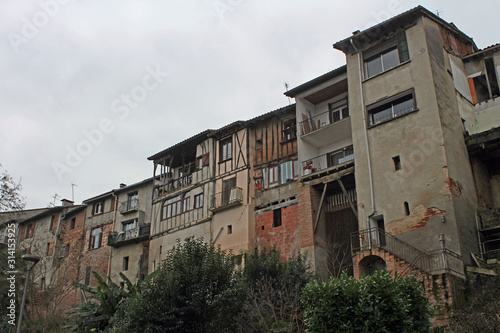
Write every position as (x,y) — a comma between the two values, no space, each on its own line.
(286,89)
(439,11)
(73,192)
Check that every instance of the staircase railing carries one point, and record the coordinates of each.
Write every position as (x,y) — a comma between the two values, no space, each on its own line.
(431,262)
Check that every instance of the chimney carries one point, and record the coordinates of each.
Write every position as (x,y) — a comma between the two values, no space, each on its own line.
(122,185)
(66,202)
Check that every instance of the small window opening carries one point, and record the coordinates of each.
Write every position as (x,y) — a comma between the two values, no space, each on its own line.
(73,222)
(276,218)
(407,208)
(229,229)
(125,264)
(122,285)
(397,163)
(160,249)
(262,227)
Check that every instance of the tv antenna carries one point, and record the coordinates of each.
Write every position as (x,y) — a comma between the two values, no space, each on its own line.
(73,192)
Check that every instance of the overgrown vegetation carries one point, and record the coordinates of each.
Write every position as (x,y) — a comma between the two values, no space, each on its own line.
(376,303)
(199,289)
(482,310)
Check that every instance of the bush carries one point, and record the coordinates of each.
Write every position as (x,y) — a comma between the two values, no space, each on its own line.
(376,303)
(194,290)
(273,291)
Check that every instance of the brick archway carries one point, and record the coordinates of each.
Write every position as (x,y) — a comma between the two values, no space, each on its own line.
(371,264)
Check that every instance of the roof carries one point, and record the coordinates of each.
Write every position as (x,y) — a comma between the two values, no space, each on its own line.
(51,210)
(100,196)
(314,82)
(491,48)
(128,187)
(368,36)
(195,139)
(263,117)
(232,127)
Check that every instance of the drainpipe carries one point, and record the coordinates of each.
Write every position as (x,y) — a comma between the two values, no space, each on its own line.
(115,198)
(372,195)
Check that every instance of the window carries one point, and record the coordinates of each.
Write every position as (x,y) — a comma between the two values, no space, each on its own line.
(174,206)
(48,251)
(125,264)
(289,130)
(95,238)
(338,157)
(273,177)
(132,201)
(186,202)
(198,200)
(30,228)
(386,55)
(128,225)
(88,270)
(72,223)
(289,171)
(63,250)
(52,222)
(202,161)
(407,208)
(392,108)
(338,113)
(97,208)
(397,163)
(226,149)
(227,187)
(229,229)
(276,218)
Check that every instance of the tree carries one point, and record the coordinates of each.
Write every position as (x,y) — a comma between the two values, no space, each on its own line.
(10,193)
(376,303)
(273,291)
(194,290)
(103,303)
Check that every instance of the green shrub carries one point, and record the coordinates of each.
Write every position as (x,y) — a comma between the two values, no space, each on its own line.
(376,303)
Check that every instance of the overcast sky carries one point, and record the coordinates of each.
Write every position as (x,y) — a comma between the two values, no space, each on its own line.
(90,89)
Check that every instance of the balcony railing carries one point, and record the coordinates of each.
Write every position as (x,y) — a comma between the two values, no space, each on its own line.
(328,160)
(430,262)
(324,119)
(228,198)
(124,237)
(171,185)
(129,206)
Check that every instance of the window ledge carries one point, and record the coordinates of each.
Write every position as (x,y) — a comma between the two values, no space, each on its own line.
(389,120)
(387,71)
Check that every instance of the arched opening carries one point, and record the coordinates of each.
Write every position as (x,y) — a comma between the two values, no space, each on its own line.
(371,264)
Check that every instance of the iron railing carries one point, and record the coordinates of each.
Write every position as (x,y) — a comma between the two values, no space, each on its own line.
(321,120)
(233,196)
(431,262)
(326,161)
(117,238)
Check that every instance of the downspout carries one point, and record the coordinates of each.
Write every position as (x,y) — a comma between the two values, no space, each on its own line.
(372,195)
(115,198)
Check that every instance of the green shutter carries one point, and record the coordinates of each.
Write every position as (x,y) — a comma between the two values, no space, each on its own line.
(403,47)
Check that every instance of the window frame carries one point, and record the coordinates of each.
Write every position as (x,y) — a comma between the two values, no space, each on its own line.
(338,151)
(277,218)
(198,201)
(95,238)
(289,130)
(132,200)
(226,149)
(390,101)
(98,208)
(398,42)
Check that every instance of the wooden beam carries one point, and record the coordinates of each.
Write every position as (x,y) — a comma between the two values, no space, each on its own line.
(330,178)
(318,214)
(348,199)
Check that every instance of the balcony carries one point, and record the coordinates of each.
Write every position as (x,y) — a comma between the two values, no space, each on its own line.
(172,184)
(135,235)
(326,161)
(226,199)
(129,206)
(327,127)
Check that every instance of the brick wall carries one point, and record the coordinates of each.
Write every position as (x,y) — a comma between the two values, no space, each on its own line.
(285,237)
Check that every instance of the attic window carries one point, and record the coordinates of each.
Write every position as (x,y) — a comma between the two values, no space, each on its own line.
(289,130)
(385,56)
